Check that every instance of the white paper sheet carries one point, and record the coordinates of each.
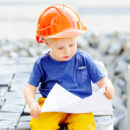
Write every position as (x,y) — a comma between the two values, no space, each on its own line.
(61,100)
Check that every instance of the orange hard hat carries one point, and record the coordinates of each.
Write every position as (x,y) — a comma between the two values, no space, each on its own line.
(59,21)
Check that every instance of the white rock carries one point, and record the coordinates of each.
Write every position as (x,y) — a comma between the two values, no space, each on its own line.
(126,46)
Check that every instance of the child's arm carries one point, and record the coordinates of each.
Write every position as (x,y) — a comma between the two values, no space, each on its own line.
(109,90)
(29,93)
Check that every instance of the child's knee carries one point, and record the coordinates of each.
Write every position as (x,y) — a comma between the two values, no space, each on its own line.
(82,126)
(81,122)
(47,121)
(37,125)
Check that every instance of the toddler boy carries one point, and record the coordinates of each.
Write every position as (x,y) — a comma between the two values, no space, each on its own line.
(58,28)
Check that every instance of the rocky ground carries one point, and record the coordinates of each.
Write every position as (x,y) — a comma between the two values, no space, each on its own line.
(112,49)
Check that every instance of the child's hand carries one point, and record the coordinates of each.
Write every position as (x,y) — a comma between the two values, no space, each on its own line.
(109,90)
(35,110)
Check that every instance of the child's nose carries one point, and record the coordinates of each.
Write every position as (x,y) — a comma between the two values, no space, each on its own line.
(67,52)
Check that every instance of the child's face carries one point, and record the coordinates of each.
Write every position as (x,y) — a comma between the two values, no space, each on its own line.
(62,49)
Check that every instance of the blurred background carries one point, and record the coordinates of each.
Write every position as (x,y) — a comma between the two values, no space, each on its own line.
(18,18)
(107,39)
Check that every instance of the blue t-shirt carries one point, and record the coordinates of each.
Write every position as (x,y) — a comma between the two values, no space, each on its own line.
(75,75)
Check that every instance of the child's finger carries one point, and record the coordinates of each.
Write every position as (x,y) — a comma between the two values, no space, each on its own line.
(35,116)
(106,90)
(34,112)
(106,93)
(39,109)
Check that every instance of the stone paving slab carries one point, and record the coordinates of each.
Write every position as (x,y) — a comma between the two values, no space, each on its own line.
(104,122)
(10,107)
(5,79)
(15,101)
(9,116)
(14,95)
(19,81)
(2,100)
(24,123)
(23,126)
(22,60)
(16,68)
(9,119)
(3,91)
(21,76)
(26,118)
(17,87)
(6,125)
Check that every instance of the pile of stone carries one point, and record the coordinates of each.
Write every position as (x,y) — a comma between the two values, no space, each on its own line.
(112,49)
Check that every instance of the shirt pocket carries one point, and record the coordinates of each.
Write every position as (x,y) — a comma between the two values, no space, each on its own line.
(82,74)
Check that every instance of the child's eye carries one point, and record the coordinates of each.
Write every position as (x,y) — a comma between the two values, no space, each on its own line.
(60,48)
(70,45)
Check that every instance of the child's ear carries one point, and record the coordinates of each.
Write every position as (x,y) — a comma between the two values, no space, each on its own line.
(47,44)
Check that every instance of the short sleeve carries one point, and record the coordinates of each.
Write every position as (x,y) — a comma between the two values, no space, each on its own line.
(35,76)
(94,71)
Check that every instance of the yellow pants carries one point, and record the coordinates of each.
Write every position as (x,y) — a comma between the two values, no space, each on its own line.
(51,120)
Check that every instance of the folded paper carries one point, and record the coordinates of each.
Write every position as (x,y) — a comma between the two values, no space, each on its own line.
(61,100)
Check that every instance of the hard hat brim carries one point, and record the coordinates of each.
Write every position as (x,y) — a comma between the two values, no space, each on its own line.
(67,34)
